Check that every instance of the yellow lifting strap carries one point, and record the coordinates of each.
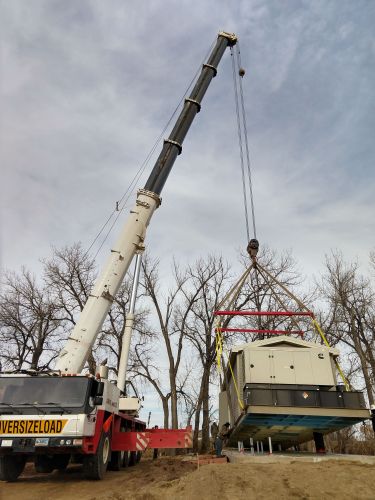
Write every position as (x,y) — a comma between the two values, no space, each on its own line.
(240,402)
(218,346)
(230,299)
(321,333)
(219,354)
(314,322)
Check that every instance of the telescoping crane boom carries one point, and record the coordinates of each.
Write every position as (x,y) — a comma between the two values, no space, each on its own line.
(48,417)
(74,355)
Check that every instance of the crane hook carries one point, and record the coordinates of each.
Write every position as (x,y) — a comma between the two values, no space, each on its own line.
(253,248)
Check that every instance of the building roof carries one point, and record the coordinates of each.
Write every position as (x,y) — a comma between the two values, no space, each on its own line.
(282,342)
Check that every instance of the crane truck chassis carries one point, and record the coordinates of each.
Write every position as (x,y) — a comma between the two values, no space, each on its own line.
(55,416)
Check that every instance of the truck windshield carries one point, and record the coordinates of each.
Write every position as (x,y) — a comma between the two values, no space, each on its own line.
(66,391)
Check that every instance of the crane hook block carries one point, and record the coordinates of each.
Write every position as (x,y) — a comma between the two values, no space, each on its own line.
(241,72)
(253,248)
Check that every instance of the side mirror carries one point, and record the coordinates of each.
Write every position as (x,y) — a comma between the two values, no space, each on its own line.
(98,400)
(100,389)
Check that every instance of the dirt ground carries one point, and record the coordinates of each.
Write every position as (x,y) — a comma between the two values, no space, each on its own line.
(171,478)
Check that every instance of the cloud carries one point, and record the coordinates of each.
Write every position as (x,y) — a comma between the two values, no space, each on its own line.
(88,86)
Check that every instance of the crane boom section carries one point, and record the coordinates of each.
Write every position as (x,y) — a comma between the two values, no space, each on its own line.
(77,348)
(74,355)
(173,145)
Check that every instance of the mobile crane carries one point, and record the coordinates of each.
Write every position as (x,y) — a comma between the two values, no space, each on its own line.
(49,417)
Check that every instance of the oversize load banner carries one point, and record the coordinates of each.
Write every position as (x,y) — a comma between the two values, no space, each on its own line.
(32,426)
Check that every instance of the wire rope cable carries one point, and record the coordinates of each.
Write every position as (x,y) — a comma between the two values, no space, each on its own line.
(243,141)
(245,134)
(239,133)
(121,203)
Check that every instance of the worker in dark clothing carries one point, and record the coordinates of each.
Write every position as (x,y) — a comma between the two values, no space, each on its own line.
(373,417)
(222,438)
(156,451)
(214,433)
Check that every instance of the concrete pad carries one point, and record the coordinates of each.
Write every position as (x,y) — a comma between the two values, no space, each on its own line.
(274,458)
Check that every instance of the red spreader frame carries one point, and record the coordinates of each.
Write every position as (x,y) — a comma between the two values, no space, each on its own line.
(252,330)
(263,313)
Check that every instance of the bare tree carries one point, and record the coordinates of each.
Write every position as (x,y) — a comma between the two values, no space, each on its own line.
(69,274)
(30,323)
(171,311)
(143,365)
(202,294)
(351,300)
(165,311)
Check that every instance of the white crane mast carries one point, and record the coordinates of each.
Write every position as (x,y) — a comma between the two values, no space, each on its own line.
(75,353)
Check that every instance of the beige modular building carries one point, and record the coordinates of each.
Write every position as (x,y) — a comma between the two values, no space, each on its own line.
(287,389)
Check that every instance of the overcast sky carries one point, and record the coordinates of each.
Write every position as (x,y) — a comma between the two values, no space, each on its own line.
(87,86)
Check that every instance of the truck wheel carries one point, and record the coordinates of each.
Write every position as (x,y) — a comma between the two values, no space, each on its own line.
(60,462)
(44,463)
(11,466)
(132,458)
(125,460)
(117,457)
(116,460)
(138,457)
(94,466)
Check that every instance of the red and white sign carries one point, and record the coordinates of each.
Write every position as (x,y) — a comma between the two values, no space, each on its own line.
(142,441)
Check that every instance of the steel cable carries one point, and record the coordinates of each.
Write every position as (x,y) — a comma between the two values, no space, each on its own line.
(130,190)
(238,54)
(239,133)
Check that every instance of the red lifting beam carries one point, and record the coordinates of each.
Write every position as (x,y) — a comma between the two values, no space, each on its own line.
(263,313)
(250,330)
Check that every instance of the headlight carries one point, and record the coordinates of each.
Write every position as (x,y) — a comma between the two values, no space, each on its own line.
(66,442)
(41,441)
(7,443)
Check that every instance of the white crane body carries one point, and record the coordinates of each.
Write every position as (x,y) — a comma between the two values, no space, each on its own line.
(50,416)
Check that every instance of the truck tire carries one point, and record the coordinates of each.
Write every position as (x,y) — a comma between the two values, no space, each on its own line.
(116,460)
(11,466)
(94,466)
(134,458)
(125,460)
(60,462)
(117,457)
(44,463)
